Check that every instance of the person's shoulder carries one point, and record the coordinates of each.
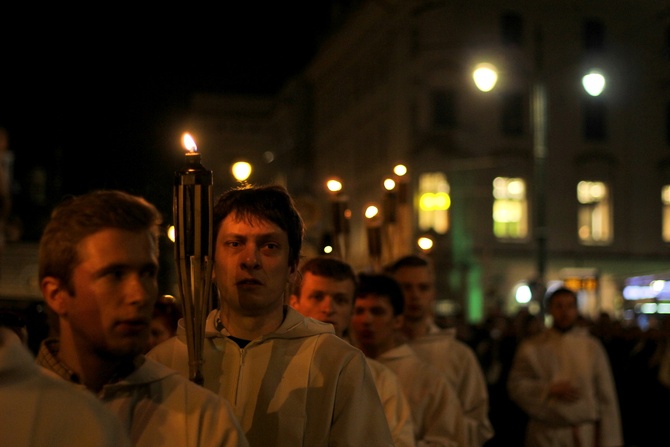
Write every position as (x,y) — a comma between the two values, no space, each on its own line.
(335,343)
(412,363)
(84,409)
(436,340)
(166,351)
(536,341)
(296,325)
(379,369)
(171,380)
(332,352)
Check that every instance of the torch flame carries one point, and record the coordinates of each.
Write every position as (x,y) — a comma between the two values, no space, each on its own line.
(189,143)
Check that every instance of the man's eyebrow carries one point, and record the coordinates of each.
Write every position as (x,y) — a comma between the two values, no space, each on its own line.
(273,235)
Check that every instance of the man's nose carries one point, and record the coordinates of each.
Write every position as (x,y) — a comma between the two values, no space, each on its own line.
(250,259)
(327,304)
(141,290)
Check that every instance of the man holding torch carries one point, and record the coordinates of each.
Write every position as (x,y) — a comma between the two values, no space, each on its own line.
(291,380)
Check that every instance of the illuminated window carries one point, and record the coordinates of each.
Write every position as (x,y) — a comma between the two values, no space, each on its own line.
(434,202)
(594,214)
(510,208)
(665,198)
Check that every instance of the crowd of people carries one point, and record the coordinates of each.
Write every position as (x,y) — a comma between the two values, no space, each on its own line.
(639,361)
(300,351)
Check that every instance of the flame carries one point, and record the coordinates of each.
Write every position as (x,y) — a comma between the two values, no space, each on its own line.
(189,143)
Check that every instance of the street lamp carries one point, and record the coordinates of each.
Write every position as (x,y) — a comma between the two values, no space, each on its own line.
(373,223)
(425,243)
(340,214)
(241,170)
(390,208)
(485,77)
(403,210)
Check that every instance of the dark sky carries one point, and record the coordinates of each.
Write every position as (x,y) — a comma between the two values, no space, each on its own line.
(101,93)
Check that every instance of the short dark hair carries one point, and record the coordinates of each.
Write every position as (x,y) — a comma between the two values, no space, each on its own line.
(381,285)
(408,261)
(76,218)
(268,202)
(327,267)
(559,291)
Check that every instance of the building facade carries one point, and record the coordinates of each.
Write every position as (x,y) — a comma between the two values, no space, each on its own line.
(512,187)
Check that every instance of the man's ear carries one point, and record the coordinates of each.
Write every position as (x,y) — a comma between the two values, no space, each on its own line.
(54,294)
(398,321)
(293,300)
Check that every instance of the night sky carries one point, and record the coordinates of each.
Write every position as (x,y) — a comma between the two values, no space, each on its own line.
(101,93)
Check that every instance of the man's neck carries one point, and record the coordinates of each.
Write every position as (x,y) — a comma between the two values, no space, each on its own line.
(563,329)
(375,351)
(93,371)
(249,327)
(416,328)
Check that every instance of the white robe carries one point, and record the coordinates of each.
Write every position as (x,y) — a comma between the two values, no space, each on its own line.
(42,410)
(158,407)
(436,411)
(300,385)
(396,407)
(459,363)
(576,356)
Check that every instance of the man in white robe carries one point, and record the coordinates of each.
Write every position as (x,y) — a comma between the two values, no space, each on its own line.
(325,291)
(440,347)
(436,411)
(562,379)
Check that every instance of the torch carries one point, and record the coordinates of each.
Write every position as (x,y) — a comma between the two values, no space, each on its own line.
(373,224)
(390,208)
(340,214)
(192,212)
(403,209)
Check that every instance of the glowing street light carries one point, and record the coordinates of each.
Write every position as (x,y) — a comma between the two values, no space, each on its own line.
(594,83)
(425,243)
(485,76)
(241,170)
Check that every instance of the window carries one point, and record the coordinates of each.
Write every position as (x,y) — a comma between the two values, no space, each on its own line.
(594,213)
(512,114)
(434,202)
(510,208)
(444,109)
(511,28)
(665,199)
(594,36)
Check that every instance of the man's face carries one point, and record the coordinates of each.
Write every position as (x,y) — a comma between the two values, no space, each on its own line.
(373,324)
(418,286)
(326,299)
(115,287)
(251,267)
(563,311)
